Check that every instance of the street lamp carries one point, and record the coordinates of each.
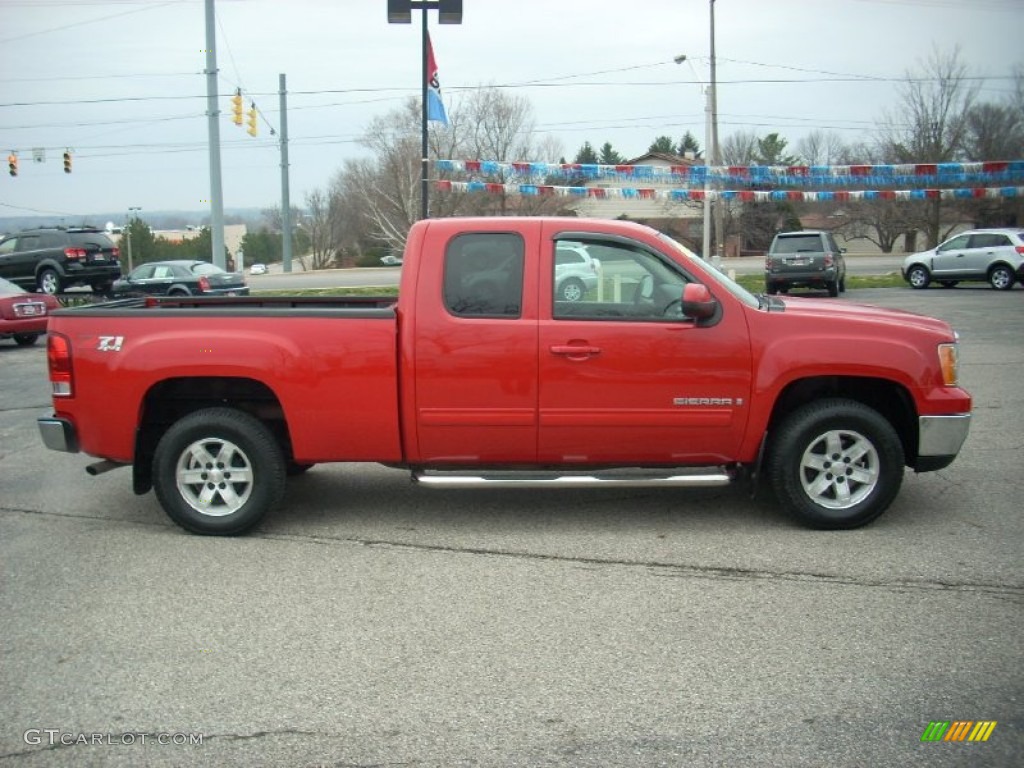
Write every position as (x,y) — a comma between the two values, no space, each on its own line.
(706,244)
(400,12)
(128,233)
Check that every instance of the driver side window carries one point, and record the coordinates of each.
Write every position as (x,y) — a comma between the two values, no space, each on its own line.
(957,243)
(600,280)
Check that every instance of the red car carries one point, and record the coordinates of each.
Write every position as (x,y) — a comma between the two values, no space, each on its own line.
(23,315)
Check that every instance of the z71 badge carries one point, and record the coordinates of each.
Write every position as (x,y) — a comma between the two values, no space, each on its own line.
(110,343)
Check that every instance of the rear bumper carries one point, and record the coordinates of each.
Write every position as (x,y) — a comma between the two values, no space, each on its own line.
(23,325)
(58,434)
(242,290)
(817,277)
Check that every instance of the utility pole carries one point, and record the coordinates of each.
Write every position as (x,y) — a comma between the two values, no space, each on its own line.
(716,156)
(286,206)
(212,116)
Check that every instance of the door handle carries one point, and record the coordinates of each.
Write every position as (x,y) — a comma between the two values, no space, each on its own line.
(574,350)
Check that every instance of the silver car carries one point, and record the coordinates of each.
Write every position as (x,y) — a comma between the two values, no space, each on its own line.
(576,271)
(995,256)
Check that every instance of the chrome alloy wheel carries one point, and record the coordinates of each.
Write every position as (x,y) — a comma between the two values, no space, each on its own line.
(839,469)
(214,476)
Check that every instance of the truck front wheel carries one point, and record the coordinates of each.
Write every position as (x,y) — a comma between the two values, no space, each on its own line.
(836,464)
(218,471)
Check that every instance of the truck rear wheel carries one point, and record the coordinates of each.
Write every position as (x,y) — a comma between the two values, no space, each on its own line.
(836,464)
(218,471)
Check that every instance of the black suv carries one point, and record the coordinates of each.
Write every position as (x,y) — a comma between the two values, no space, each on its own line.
(808,258)
(51,259)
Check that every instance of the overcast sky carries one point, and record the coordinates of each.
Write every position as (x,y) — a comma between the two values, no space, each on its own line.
(120,82)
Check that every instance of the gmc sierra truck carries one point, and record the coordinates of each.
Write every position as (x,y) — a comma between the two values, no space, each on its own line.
(486,371)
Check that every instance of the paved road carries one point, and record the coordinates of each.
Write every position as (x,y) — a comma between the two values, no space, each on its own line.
(370,622)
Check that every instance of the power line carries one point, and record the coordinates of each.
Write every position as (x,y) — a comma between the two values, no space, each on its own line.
(86,21)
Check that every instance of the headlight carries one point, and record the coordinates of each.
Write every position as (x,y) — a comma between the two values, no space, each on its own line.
(949,361)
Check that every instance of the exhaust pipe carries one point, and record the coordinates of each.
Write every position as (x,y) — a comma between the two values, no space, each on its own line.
(103,466)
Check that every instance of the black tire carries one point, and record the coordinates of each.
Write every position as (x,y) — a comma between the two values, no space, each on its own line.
(49,281)
(949,283)
(918,276)
(572,289)
(842,284)
(26,339)
(870,458)
(101,288)
(217,504)
(833,288)
(178,292)
(1001,277)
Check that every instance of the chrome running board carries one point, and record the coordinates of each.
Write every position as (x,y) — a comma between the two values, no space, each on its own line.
(702,477)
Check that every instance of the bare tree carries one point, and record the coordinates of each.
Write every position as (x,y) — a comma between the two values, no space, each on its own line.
(740,148)
(821,148)
(931,124)
(322,231)
(381,193)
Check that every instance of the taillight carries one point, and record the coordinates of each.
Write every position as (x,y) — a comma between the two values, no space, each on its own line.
(58,356)
(74,253)
(115,252)
(829,260)
(1020,250)
(204,284)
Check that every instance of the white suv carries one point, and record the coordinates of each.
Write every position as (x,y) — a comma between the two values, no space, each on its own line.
(576,271)
(992,255)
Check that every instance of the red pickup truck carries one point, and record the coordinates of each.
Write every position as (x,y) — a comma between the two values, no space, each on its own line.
(629,362)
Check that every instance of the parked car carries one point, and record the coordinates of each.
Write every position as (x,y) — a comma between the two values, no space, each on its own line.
(258,269)
(50,259)
(576,271)
(808,258)
(23,316)
(391,260)
(181,278)
(995,256)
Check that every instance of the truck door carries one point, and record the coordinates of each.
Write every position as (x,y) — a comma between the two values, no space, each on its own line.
(625,378)
(475,352)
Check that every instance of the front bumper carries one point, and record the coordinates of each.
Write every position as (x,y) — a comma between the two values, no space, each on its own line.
(58,434)
(939,439)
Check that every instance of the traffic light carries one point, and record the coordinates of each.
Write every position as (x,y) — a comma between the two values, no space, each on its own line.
(236,107)
(12,163)
(253,128)
(67,161)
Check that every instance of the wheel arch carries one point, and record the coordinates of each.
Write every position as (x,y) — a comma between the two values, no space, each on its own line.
(891,399)
(169,400)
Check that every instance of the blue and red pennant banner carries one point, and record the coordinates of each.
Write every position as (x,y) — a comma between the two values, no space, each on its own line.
(1009,172)
(435,107)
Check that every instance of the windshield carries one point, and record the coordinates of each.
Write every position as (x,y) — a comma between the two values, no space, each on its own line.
(731,286)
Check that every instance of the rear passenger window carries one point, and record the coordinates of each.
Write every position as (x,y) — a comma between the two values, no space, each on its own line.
(483,275)
(989,240)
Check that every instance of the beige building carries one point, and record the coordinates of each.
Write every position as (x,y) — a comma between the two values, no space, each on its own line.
(650,204)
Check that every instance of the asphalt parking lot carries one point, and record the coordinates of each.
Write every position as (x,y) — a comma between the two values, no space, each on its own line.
(371,622)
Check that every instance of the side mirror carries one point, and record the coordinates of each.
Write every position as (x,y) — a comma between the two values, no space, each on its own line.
(698,303)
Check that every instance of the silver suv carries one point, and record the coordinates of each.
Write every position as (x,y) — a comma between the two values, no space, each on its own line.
(995,256)
(576,271)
